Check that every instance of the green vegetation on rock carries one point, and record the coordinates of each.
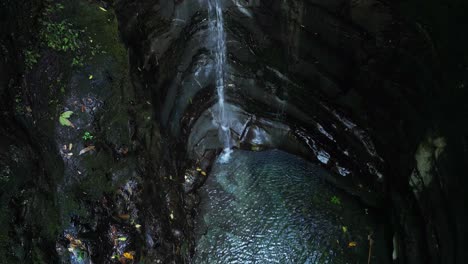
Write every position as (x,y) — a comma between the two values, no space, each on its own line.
(335,200)
(30,58)
(87,136)
(61,35)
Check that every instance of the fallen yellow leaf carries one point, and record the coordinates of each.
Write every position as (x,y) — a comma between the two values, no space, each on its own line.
(352,244)
(124,216)
(128,255)
(203,173)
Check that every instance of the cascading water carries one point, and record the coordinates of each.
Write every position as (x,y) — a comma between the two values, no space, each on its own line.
(216,22)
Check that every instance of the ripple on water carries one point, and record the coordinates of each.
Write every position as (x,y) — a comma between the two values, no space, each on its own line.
(273,207)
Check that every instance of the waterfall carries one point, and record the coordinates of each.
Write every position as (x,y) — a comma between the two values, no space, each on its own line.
(216,24)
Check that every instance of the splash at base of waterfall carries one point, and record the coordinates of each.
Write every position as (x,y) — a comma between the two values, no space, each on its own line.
(225,156)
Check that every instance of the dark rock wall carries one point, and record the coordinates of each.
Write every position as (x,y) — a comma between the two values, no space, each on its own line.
(442,24)
(363,60)
(28,163)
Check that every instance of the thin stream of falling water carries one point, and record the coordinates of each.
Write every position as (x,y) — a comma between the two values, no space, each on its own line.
(216,22)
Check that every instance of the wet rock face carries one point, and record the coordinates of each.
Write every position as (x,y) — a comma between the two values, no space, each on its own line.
(285,62)
(327,80)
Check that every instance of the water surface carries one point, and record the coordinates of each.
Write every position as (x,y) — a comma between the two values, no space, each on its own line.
(273,207)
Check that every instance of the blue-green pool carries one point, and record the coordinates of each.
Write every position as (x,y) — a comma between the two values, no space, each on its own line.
(274,207)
